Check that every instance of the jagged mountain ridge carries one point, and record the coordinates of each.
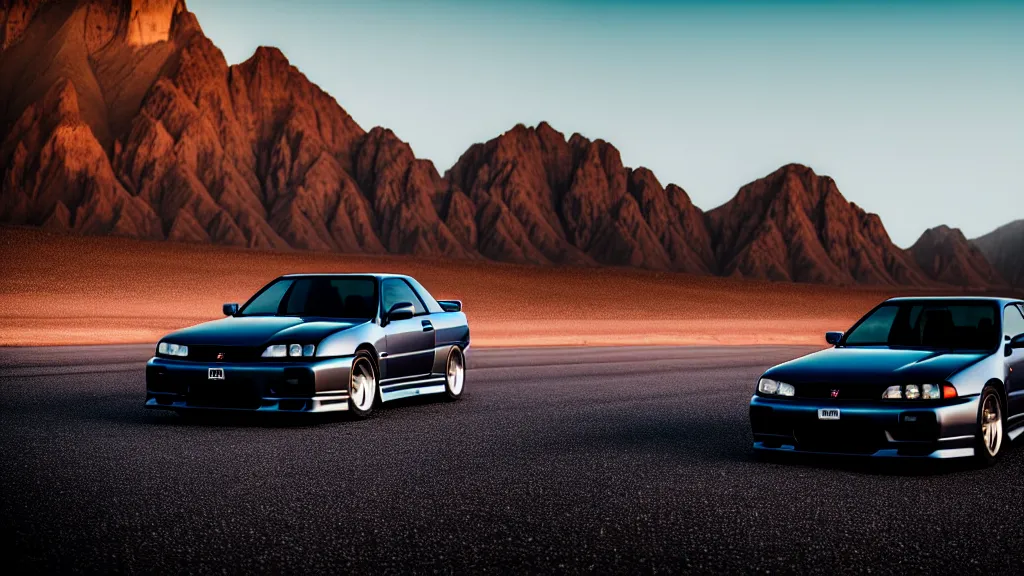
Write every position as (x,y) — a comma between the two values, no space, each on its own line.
(1004,248)
(124,118)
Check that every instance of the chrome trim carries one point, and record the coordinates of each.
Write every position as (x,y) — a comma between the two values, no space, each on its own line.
(955,438)
(388,396)
(412,382)
(404,354)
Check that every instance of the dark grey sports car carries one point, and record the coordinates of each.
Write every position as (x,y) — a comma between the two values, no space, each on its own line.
(916,377)
(316,343)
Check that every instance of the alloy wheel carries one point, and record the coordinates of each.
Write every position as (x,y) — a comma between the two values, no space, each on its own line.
(992,424)
(363,388)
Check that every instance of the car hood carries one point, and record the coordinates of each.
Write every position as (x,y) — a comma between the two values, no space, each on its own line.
(874,365)
(259,330)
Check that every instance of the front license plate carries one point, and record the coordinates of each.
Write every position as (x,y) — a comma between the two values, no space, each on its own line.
(216,374)
(828,414)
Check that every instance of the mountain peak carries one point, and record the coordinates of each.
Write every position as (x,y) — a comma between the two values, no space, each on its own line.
(946,255)
(150,21)
(270,54)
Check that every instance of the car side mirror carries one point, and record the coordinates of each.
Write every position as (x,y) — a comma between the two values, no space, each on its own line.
(833,338)
(450,305)
(230,309)
(1015,343)
(400,311)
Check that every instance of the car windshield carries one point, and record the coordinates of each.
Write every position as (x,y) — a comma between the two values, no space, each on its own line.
(322,296)
(926,324)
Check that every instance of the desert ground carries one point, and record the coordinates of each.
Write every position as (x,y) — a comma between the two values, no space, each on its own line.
(62,289)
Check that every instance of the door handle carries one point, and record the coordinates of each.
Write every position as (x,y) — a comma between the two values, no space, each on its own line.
(427,326)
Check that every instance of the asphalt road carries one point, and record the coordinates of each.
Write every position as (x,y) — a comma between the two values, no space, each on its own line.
(557,460)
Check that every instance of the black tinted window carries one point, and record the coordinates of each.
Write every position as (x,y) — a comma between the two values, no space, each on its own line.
(266,303)
(875,328)
(324,296)
(1013,322)
(929,324)
(396,290)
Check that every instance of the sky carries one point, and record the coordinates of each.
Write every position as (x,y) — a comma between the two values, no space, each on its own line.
(915,108)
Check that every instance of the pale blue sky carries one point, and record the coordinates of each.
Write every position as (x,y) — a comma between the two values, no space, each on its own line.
(915,108)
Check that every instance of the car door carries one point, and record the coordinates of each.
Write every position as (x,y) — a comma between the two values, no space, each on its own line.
(1013,325)
(410,342)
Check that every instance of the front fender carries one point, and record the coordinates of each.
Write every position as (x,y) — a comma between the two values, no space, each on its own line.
(971,380)
(344,343)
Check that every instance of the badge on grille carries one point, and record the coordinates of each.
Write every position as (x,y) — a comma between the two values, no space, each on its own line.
(835,392)
(216,374)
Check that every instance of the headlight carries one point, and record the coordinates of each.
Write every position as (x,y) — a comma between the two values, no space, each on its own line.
(775,388)
(286,350)
(168,349)
(919,392)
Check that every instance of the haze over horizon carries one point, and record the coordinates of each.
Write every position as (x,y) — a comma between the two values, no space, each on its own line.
(913,107)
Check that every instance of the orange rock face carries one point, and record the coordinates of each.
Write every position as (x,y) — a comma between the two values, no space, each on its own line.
(122,117)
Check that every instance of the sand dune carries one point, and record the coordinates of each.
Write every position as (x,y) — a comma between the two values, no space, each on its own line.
(64,289)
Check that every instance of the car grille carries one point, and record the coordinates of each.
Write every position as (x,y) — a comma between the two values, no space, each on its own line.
(845,391)
(223,354)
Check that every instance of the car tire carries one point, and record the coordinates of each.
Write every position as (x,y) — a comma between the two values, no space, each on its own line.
(454,374)
(363,385)
(991,438)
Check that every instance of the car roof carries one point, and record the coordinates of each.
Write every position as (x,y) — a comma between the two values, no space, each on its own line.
(994,299)
(347,274)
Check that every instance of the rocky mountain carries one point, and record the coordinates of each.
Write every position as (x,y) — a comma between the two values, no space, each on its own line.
(1004,248)
(532,196)
(946,256)
(795,225)
(122,117)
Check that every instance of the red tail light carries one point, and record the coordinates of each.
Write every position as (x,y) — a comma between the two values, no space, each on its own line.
(948,391)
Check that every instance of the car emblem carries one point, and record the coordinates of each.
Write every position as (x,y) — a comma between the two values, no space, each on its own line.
(835,392)
(220,355)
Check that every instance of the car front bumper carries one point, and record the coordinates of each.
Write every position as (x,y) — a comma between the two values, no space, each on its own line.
(318,385)
(895,430)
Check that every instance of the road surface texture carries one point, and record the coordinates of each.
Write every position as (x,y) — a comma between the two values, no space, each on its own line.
(614,460)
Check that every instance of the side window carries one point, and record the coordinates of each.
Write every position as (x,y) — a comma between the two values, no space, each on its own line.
(395,290)
(1013,322)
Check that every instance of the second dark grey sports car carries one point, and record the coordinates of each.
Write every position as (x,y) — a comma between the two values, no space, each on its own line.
(916,377)
(316,343)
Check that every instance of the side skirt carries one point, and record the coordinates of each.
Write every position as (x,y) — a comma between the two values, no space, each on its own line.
(408,389)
